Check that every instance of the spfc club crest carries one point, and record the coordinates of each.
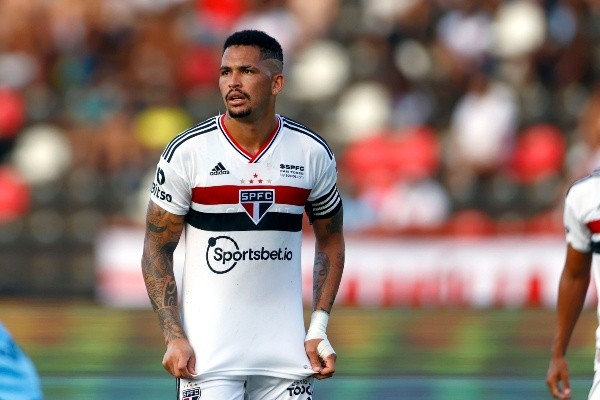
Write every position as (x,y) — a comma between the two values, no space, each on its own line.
(191,394)
(257,202)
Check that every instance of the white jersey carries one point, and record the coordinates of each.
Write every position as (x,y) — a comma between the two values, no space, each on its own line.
(582,226)
(242,294)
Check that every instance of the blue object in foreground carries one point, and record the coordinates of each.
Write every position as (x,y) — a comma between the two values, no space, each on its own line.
(18,377)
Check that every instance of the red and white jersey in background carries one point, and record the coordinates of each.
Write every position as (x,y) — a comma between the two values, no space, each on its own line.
(582,226)
(242,295)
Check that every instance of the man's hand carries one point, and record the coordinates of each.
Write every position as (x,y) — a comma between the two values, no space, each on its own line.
(557,378)
(179,359)
(323,367)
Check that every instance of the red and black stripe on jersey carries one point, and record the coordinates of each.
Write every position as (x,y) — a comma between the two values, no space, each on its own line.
(239,221)
(323,207)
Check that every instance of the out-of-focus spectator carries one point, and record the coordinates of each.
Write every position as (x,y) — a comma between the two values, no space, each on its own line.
(538,154)
(363,110)
(274,18)
(409,205)
(15,196)
(520,29)
(42,154)
(320,70)
(481,138)
(536,168)
(12,113)
(466,35)
(216,17)
(583,155)
(394,172)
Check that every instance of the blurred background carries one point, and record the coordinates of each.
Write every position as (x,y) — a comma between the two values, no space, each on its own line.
(458,126)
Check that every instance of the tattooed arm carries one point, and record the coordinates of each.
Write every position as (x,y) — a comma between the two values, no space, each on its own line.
(327,275)
(329,260)
(163,231)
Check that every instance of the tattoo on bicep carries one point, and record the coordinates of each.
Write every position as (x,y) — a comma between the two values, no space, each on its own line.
(321,269)
(336,223)
(155,228)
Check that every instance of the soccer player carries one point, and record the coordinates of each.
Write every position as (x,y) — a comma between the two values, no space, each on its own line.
(19,379)
(582,225)
(239,183)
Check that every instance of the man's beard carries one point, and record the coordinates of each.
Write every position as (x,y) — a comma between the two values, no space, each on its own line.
(240,113)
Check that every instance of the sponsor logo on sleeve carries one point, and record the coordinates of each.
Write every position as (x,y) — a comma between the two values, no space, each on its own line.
(160,194)
(156,190)
(160,176)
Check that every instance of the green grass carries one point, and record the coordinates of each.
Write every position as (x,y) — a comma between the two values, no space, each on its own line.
(83,345)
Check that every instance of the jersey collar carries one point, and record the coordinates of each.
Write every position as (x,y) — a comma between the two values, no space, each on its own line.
(252,158)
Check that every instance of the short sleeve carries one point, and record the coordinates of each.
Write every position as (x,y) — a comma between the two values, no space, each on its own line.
(577,233)
(170,190)
(324,200)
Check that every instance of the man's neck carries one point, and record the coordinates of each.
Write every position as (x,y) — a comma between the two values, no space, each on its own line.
(251,135)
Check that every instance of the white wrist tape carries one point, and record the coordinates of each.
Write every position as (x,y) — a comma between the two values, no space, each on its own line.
(318,325)
(317,329)
(325,349)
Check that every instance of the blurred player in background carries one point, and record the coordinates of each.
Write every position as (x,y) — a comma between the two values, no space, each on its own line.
(18,377)
(582,225)
(240,183)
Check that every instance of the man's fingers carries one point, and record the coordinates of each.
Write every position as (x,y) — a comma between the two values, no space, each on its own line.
(179,360)
(311,351)
(315,362)
(555,388)
(322,357)
(191,365)
(566,387)
(328,367)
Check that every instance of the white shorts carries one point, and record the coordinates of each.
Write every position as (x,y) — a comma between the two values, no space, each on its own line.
(595,390)
(254,387)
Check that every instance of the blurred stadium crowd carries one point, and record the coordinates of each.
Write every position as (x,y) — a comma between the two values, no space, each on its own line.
(447,116)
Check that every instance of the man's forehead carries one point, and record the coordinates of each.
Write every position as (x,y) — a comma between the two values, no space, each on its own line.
(241,54)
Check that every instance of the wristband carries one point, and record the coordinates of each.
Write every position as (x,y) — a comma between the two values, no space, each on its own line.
(318,325)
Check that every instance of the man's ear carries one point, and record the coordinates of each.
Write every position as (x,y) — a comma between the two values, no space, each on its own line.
(277,83)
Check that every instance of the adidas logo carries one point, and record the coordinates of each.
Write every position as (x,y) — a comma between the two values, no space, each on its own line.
(219,169)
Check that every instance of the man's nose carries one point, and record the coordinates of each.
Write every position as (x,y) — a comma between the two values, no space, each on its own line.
(234,80)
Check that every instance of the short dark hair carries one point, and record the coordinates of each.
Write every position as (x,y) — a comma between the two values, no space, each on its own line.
(268,46)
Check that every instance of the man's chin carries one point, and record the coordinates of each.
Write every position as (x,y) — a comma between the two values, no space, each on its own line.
(239,114)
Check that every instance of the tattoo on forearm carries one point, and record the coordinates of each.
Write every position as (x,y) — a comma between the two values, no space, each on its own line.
(321,269)
(169,322)
(162,235)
